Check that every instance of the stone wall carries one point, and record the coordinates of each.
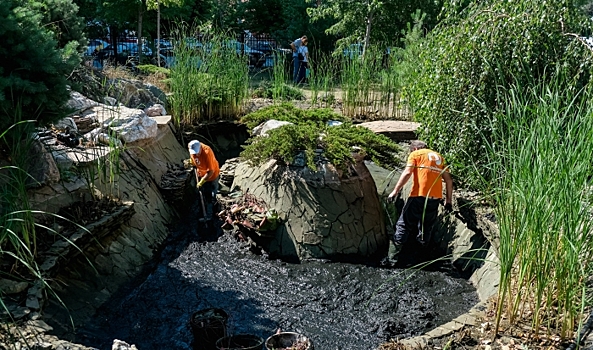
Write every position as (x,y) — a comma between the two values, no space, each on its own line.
(116,258)
(323,215)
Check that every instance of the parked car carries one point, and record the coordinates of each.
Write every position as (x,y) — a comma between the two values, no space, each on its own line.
(124,50)
(164,44)
(256,57)
(265,47)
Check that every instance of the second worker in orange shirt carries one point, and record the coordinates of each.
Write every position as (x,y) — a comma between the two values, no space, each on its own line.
(420,211)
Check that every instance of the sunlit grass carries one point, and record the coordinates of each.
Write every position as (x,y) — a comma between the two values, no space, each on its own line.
(541,162)
(209,79)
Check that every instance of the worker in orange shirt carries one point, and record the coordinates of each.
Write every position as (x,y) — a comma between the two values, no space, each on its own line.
(207,173)
(420,211)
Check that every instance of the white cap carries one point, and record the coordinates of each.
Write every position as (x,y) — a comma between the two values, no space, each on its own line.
(194,147)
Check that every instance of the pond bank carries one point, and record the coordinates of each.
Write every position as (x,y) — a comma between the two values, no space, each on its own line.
(179,272)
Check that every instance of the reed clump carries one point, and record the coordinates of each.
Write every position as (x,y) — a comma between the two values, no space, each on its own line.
(209,79)
(540,162)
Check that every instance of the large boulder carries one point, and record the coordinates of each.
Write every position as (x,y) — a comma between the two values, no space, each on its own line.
(42,168)
(325,214)
(79,103)
(264,128)
(129,124)
(133,93)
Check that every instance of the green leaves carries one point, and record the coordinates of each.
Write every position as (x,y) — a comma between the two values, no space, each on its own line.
(475,54)
(35,66)
(310,133)
(388,17)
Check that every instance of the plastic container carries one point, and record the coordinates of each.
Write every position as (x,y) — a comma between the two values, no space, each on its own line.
(207,326)
(240,342)
(288,341)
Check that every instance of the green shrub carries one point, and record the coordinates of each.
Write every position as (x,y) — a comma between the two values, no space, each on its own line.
(267,89)
(33,71)
(288,112)
(337,142)
(61,17)
(476,54)
(152,69)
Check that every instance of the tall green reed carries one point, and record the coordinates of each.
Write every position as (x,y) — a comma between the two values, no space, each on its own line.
(540,157)
(17,225)
(279,78)
(322,81)
(371,87)
(209,79)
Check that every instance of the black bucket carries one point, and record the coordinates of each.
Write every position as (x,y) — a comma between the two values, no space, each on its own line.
(288,340)
(240,342)
(207,326)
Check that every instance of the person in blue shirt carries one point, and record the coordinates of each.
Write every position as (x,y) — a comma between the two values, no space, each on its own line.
(295,45)
(303,56)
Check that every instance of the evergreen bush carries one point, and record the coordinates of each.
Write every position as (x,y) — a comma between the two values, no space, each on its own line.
(290,113)
(33,71)
(310,132)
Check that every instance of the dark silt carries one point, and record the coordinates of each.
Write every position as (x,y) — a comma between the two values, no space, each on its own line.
(337,305)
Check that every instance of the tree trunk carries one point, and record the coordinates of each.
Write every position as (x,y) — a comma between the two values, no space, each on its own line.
(367,34)
(158,33)
(139,34)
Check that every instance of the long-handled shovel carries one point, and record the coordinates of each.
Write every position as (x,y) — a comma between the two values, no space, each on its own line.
(204,216)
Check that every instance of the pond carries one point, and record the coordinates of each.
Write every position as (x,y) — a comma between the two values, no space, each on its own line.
(337,305)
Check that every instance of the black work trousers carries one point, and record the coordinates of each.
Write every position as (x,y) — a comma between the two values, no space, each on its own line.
(417,219)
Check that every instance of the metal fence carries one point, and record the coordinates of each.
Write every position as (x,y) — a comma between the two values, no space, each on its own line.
(261,50)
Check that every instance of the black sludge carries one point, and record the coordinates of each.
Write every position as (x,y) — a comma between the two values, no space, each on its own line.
(336,305)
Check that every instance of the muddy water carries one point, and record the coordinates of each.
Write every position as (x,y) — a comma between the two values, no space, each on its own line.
(338,305)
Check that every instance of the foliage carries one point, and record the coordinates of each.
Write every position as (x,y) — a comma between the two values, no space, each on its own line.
(33,70)
(487,46)
(337,143)
(207,81)
(61,17)
(152,69)
(287,92)
(290,113)
(542,191)
(311,132)
(286,21)
(388,18)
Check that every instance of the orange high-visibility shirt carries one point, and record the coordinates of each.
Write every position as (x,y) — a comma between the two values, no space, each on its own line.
(427,167)
(205,162)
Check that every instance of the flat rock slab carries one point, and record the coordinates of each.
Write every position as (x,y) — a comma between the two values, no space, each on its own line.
(397,130)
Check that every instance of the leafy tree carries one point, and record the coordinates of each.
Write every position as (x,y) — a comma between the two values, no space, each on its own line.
(477,53)
(371,20)
(34,70)
(285,21)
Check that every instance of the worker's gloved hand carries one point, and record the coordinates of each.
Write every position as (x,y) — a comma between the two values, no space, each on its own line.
(201,183)
(448,207)
(391,197)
